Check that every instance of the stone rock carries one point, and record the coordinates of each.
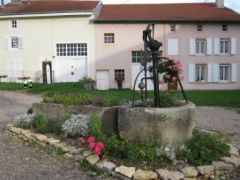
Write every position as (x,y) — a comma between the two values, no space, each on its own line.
(189,172)
(87,153)
(206,169)
(190,179)
(92,159)
(39,137)
(144,175)
(74,150)
(52,141)
(9,125)
(106,166)
(222,166)
(78,157)
(126,171)
(234,151)
(231,160)
(62,146)
(120,176)
(27,134)
(68,155)
(173,175)
(15,130)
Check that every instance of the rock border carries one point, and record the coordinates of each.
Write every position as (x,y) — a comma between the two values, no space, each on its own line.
(225,166)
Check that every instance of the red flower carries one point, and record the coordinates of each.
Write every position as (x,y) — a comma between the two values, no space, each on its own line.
(91,146)
(91,139)
(81,141)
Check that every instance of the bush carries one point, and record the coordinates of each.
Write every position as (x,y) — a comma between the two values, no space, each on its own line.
(41,123)
(24,121)
(77,125)
(116,147)
(203,148)
(86,80)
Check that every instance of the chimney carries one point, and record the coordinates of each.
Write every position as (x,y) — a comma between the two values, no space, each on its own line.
(220,3)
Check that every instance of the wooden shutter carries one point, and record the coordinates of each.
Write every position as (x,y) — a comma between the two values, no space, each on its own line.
(216,46)
(209,46)
(192,46)
(233,46)
(210,73)
(191,72)
(215,72)
(173,47)
(234,72)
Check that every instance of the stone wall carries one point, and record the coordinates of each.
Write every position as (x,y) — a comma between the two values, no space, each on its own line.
(166,125)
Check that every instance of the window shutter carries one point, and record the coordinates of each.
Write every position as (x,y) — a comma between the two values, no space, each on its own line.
(209,46)
(20,40)
(6,43)
(173,47)
(216,46)
(233,46)
(234,72)
(191,73)
(210,72)
(215,73)
(192,46)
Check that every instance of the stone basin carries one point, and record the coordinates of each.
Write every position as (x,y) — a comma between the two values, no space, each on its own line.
(167,126)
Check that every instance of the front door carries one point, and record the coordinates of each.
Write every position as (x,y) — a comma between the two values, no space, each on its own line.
(47,71)
(102,80)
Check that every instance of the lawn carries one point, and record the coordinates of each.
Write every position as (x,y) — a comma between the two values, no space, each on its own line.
(229,98)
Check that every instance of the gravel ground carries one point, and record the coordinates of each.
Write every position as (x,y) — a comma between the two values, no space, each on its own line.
(220,119)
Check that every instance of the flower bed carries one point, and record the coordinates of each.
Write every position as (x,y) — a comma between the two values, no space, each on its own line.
(136,160)
(216,169)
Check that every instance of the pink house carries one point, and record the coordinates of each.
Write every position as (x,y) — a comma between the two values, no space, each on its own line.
(203,36)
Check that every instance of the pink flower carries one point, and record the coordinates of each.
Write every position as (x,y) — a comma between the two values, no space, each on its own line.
(174,78)
(91,146)
(182,78)
(98,149)
(161,82)
(91,139)
(170,67)
(81,141)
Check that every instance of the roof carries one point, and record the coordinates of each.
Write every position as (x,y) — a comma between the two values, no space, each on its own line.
(47,7)
(180,12)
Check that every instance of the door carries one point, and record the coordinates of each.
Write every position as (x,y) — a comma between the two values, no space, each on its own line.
(102,80)
(47,71)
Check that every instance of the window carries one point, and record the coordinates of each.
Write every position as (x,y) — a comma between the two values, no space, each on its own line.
(137,56)
(14,24)
(224,27)
(119,74)
(14,42)
(72,49)
(108,38)
(201,73)
(173,27)
(200,46)
(224,46)
(224,73)
(199,27)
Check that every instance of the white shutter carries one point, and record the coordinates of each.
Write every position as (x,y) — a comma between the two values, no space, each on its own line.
(210,72)
(209,46)
(173,47)
(215,72)
(6,43)
(234,72)
(233,46)
(192,46)
(191,72)
(216,46)
(20,41)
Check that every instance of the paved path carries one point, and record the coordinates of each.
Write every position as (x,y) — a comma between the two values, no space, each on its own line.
(21,162)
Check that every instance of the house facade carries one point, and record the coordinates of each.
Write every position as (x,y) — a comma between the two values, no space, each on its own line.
(203,36)
(47,40)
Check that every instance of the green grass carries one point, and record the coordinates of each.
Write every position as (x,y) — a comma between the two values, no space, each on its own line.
(228,98)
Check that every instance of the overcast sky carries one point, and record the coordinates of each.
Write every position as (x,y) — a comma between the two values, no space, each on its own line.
(233,4)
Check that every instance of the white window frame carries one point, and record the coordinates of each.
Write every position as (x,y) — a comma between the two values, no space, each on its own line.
(200,46)
(224,46)
(173,27)
(222,77)
(14,24)
(201,70)
(71,49)
(109,38)
(199,27)
(224,27)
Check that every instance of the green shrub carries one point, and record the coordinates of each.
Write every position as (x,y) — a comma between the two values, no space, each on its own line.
(86,80)
(120,148)
(168,99)
(24,121)
(203,148)
(41,123)
(30,110)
